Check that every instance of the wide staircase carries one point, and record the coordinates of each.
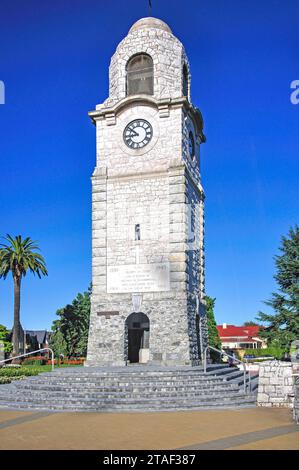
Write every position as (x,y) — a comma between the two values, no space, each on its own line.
(132,388)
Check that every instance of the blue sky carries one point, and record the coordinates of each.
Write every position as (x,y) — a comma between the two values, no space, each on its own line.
(54,62)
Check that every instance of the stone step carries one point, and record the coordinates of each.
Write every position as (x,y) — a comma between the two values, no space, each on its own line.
(125,400)
(73,385)
(178,387)
(78,374)
(239,378)
(136,369)
(233,375)
(126,377)
(124,407)
(128,389)
(53,395)
(124,384)
(149,377)
(225,371)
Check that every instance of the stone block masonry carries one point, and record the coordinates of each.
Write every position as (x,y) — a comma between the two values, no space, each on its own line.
(148,212)
(276,384)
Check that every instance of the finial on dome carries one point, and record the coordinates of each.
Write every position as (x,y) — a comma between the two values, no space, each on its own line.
(150,22)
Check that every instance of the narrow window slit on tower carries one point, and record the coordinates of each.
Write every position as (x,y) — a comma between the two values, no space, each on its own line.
(137,232)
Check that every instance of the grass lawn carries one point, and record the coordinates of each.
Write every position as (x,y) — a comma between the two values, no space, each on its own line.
(48,367)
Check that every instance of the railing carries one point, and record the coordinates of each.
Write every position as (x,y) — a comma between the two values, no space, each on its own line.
(29,354)
(231,357)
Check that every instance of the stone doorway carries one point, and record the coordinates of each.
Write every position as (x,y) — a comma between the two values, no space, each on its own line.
(137,329)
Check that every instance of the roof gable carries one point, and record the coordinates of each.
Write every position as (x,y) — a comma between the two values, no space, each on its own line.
(238,331)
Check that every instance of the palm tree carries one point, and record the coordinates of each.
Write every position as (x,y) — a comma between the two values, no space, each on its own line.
(19,256)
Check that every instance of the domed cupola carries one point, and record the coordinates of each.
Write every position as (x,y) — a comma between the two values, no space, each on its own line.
(150,60)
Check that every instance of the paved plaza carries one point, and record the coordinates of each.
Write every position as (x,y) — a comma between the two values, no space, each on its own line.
(254,428)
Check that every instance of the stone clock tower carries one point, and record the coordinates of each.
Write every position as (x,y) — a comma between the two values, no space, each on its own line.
(148,208)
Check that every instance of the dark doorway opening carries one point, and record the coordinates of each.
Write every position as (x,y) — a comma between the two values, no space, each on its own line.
(137,326)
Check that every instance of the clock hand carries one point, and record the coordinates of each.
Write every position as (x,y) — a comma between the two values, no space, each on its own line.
(133,134)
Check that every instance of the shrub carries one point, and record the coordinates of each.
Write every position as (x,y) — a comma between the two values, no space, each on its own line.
(275,352)
(8,380)
(71,362)
(5,380)
(35,360)
(20,372)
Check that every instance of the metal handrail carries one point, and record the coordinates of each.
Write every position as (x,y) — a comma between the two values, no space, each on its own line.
(234,358)
(29,354)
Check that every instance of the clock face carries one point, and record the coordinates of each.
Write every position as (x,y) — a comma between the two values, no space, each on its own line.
(191,145)
(137,134)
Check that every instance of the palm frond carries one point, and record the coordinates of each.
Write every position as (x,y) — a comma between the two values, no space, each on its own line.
(19,256)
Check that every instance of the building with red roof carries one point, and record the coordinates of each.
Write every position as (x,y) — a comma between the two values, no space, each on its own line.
(240,337)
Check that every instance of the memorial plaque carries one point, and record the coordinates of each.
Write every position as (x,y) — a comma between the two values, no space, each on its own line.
(132,278)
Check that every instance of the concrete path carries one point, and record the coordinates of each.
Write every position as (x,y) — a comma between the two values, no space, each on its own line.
(252,428)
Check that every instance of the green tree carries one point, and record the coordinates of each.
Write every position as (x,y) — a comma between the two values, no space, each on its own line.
(283,325)
(70,332)
(4,339)
(214,339)
(57,341)
(250,323)
(19,256)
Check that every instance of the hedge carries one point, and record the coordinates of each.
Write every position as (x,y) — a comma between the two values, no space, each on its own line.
(275,352)
(18,372)
(5,380)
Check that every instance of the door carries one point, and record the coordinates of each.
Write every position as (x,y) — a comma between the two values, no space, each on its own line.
(135,338)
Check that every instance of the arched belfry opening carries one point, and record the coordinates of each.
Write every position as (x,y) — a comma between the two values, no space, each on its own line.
(137,331)
(140,75)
